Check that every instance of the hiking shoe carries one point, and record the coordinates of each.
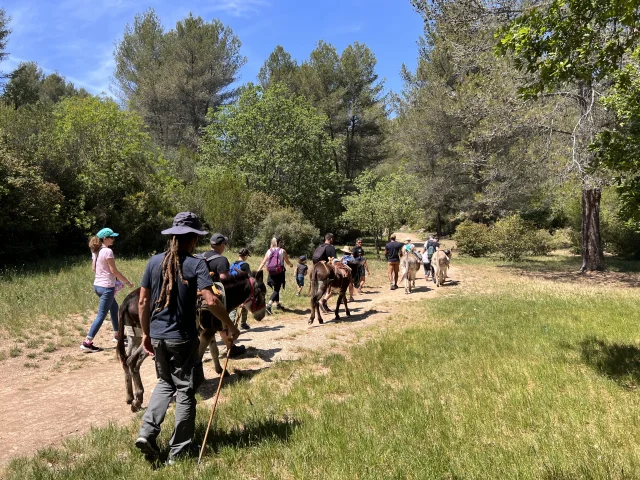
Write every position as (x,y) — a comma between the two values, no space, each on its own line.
(268,310)
(298,294)
(245,326)
(237,350)
(279,307)
(148,446)
(126,340)
(89,347)
(394,287)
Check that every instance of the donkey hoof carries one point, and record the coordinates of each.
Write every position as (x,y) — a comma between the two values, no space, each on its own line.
(135,406)
(310,322)
(348,313)
(129,400)
(320,321)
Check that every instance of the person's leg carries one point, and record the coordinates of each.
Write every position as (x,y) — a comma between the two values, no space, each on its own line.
(106,298)
(113,311)
(396,269)
(390,273)
(161,396)
(187,375)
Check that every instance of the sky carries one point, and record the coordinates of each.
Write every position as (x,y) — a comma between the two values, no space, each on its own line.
(76,38)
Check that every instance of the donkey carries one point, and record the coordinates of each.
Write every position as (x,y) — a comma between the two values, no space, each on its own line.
(440,263)
(410,265)
(242,289)
(324,276)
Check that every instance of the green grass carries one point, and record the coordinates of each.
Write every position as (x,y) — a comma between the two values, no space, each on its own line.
(535,380)
(15,351)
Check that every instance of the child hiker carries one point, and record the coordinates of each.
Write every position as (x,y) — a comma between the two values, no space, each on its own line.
(301,272)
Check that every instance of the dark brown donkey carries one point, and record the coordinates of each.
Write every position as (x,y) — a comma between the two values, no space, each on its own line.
(241,289)
(324,276)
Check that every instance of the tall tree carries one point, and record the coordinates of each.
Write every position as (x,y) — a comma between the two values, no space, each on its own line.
(4,34)
(572,48)
(280,67)
(278,141)
(173,78)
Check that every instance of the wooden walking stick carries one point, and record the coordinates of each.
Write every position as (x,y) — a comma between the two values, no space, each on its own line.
(215,402)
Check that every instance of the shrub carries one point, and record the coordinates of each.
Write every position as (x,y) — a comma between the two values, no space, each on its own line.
(512,237)
(473,239)
(298,234)
(541,242)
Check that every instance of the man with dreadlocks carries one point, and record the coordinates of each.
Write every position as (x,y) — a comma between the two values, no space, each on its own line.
(167,308)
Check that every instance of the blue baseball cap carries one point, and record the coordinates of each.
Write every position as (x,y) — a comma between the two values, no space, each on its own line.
(106,232)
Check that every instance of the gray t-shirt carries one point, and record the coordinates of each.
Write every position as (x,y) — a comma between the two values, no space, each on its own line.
(178,321)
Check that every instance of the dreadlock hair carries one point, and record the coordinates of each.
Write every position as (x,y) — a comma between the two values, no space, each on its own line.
(171,265)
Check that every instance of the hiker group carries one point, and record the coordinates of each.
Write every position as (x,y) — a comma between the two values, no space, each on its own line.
(185,299)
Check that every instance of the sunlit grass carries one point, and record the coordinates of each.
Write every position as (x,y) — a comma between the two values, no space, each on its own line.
(506,377)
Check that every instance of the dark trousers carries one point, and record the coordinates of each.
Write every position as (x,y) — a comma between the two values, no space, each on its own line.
(179,369)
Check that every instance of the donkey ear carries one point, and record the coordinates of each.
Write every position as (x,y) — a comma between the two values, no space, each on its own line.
(259,276)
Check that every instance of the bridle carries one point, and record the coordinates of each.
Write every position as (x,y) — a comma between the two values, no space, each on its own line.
(252,297)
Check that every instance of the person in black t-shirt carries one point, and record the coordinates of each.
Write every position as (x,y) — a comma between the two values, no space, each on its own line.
(218,264)
(392,251)
(325,250)
(301,272)
(167,309)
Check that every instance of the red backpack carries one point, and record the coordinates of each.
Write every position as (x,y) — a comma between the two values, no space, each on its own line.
(274,264)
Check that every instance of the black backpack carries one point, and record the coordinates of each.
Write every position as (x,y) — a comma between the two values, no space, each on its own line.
(319,253)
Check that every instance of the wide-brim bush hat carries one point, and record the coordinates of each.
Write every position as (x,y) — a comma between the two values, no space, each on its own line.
(185,222)
(106,233)
(346,250)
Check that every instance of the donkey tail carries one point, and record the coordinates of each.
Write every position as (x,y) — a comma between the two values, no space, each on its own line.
(313,281)
(120,350)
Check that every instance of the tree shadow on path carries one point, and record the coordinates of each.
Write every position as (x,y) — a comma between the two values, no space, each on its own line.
(619,362)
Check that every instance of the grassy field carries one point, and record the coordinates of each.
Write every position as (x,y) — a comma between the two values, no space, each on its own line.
(511,376)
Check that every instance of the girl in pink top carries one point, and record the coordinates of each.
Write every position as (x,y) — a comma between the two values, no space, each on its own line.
(104,265)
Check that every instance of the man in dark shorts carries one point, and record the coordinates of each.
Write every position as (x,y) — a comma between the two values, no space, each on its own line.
(219,270)
(325,250)
(167,309)
(392,252)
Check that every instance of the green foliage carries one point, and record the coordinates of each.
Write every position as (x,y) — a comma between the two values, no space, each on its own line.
(473,239)
(297,233)
(278,141)
(28,84)
(513,237)
(570,41)
(542,243)
(172,78)
(381,204)
(31,207)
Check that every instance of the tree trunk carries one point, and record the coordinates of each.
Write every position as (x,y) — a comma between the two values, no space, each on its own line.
(378,246)
(592,254)
(438,225)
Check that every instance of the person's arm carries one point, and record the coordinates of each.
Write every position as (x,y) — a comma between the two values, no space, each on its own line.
(264,261)
(217,309)
(285,257)
(145,318)
(114,271)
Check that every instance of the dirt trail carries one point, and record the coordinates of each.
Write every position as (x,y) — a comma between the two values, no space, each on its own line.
(41,407)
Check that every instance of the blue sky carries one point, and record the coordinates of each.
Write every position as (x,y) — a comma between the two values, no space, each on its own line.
(77,37)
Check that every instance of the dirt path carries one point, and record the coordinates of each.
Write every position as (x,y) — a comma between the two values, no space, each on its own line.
(44,406)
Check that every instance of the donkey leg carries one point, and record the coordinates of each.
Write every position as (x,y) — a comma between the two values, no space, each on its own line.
(346,307)
(127,373)
(341,296)
(206,337)
(314,305)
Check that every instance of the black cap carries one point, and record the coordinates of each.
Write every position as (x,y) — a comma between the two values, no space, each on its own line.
(218,239)
(185,222)
(303,258)
(244,252)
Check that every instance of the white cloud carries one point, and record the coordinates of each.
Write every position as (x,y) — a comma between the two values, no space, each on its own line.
(237,8)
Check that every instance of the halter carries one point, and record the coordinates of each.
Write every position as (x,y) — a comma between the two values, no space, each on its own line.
(252,297)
